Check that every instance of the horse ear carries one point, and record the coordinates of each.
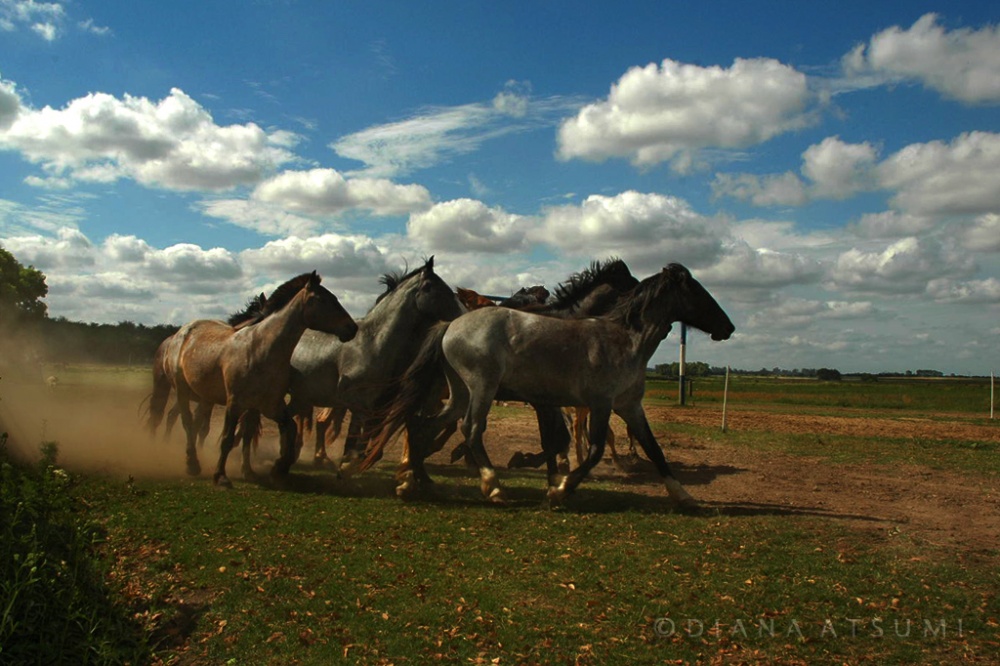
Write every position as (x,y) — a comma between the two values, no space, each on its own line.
(315,279)
(677,272)
(430,264)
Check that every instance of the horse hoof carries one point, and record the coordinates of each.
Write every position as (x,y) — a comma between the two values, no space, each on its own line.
(193,468)
(497,496)
(250,475)
(516,461)
(556,496)
(222,481)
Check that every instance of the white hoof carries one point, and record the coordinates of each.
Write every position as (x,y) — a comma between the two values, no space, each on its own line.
(678,494)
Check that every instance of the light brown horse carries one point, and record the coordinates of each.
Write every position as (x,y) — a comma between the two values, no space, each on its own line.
(163,378)
(248,368)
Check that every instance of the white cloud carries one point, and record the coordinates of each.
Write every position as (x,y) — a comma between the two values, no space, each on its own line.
(832,168)
(10,104)
(963,64)
(648,230)
(784,189)
(837,169)
(906,266)
(961,177)
(671,111)
(438,134)
(264,218)
(69,249)
(892,224)
(172,143)
(972,292)
(928,179)
(803,313)
(326,192)
(467,225)
(332,255)
(744,267)
(983,235)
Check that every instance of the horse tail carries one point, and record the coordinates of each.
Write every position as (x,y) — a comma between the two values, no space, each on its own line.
(161,391)
(410,392)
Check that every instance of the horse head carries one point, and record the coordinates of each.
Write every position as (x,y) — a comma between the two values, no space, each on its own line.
(698,308)
(434,298)
(323,311)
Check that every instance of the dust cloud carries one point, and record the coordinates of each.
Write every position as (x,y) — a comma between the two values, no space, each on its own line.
(97,421)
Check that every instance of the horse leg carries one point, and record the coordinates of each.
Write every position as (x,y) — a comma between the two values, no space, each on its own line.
(324,434)
(599,418)
(203,421)
(580,433)
(353,450)
(286,436)
(555,440)
(250,427)
(171,421)
(473,427)
(225,446)
(184,408)
(635,417)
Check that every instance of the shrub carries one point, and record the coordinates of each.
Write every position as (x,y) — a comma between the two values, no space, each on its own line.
(55,606)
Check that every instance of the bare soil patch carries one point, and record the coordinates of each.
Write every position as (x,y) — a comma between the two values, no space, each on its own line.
(941,508)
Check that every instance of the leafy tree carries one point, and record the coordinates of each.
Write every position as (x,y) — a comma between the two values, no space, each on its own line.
(828,375)
(21,290)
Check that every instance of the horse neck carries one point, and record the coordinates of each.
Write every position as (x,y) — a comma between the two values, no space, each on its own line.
(390,324)
(281,330)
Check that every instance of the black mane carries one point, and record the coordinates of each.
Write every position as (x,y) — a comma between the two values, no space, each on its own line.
(393,279)
(631,309)
(281,296)
(250,313)
(613,272)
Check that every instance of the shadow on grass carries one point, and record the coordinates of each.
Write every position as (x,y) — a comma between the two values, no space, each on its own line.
(526,489)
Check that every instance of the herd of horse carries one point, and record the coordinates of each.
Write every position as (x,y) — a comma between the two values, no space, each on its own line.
(428,360)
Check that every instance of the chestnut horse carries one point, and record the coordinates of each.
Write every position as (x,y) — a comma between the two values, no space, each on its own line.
(247,368)
(597,362)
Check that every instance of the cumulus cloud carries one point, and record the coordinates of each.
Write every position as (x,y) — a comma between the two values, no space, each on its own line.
(972,292)
(904,267)
(983,235)
(327,192)
(963,64)
(42,18)
(961,177)
(745,267)
(10,104)
(332,255)
(650,230)
(172,143)
(69,249)
(891,224)
(832,169)
(802,313)
(670,112)
(785,189)
(467,225)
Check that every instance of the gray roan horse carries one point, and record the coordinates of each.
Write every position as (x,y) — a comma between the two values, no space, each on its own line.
(247,368)
(595,362)
(355,375)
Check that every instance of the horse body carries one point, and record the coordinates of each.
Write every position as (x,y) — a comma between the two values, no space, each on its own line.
(247,368)
(354,375)
(594,362)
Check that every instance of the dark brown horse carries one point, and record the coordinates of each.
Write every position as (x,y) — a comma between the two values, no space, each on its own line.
(247,369)
(597,362)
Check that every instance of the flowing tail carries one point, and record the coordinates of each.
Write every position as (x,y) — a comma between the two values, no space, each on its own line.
(161,390)
(412,391)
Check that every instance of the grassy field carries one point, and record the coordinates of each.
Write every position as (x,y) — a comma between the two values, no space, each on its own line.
(339,571)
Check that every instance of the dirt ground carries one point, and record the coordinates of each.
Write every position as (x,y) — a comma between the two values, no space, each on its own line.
(942,508)
(101,430)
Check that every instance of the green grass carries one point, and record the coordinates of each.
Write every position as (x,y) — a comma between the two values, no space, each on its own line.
(342,568)
(340,571)
(959,395)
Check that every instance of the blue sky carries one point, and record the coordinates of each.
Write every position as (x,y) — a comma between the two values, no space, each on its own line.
(830,171)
